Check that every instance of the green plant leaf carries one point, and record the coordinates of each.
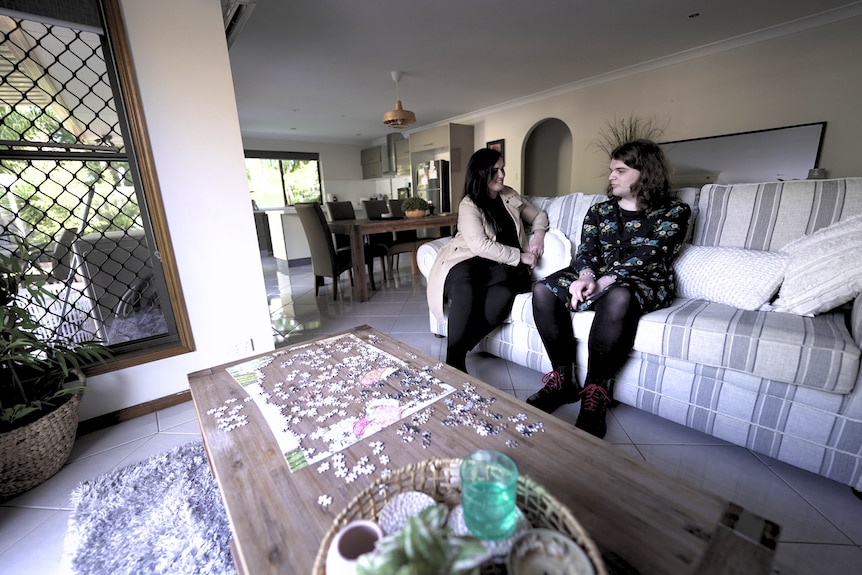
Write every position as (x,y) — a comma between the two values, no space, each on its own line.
(414,203)
(34,366)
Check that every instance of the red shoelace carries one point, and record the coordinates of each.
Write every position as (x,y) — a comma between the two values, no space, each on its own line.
(552,382)
(596,398)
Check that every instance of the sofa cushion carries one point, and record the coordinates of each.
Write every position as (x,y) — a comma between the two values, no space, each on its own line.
(816,352)
(768,216)
(557,255)
(691,196)
(741,278)
(856,320)
(824,269)
(567,213)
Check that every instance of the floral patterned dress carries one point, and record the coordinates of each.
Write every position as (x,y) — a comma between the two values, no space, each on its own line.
(636,247)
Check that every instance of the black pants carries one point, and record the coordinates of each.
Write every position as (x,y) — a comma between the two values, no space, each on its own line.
(612,335)
(480,294)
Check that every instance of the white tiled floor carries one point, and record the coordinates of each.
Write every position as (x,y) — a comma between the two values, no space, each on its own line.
(821,520)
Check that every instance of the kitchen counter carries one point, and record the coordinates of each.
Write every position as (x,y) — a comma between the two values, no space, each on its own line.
(289,244)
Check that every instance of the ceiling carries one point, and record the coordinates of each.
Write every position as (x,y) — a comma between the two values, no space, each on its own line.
(320,70)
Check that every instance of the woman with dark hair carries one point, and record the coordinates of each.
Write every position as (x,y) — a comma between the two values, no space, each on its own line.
(622,269)
(488,262)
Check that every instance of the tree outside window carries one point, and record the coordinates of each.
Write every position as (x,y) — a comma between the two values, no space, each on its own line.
(278,179)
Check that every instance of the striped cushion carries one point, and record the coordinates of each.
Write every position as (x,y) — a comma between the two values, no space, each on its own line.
(769,216)
(815,352)
(824,270)
(856,321)
(567,212)
(691,196)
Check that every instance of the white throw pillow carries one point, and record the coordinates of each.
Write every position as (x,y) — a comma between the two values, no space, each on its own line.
(745,279)
(557,255)
(824,269)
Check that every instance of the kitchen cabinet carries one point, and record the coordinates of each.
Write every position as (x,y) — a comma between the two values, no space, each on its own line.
(372,162)
(430,139)
(289,243)
(377,162)
(402,157)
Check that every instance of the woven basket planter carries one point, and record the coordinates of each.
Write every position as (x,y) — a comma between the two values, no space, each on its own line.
(440,479)
(31,454)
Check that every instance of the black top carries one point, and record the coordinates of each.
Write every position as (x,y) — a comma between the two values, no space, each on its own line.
(506,232)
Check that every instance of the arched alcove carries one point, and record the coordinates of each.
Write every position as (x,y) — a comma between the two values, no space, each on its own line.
(548,159)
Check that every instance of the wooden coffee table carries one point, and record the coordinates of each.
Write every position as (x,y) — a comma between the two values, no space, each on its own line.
(642,519)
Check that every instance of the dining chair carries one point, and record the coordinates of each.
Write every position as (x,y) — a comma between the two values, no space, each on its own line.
(394,243)
(326,260)
(375,209)
(408,241)
(344,211)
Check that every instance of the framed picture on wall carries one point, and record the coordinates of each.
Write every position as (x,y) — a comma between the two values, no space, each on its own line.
(499,145)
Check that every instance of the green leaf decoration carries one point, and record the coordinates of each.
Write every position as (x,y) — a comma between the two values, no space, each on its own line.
(424,547)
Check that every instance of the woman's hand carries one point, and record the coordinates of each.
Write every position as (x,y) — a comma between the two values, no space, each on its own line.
(585,286)
(528,259)
(582,288)
(537,243)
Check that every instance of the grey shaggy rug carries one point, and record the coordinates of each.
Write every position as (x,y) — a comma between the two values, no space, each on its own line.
(163,515)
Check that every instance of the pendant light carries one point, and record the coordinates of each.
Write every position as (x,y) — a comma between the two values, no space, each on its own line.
(399,117)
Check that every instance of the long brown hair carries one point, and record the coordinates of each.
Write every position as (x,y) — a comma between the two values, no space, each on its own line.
(653,186)
(479,171)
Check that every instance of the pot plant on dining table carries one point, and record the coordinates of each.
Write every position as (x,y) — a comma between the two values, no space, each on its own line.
(41,378)
(414,207)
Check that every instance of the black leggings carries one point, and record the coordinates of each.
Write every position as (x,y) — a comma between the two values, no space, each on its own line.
(480,294)
(612,335)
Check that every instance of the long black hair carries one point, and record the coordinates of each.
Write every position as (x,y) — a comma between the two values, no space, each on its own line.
(480,169)
(653,185)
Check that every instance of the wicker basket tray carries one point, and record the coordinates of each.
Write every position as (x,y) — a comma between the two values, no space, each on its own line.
(440,479)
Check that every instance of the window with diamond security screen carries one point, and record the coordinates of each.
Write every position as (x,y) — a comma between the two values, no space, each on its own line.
(70,187)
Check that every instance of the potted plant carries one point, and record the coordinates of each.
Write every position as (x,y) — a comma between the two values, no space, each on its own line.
(623,130)
(41,378)
(414,207)
(424,546)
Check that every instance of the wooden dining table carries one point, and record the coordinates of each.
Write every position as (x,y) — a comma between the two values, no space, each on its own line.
(357,230)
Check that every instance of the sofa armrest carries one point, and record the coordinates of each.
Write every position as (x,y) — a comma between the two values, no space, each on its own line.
(427,253)
(558,254)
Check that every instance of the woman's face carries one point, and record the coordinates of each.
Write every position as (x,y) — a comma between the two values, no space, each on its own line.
(495,180)
(622,178)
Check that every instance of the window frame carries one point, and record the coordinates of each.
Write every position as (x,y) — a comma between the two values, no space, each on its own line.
(279,155)
(141,149)
(129,106)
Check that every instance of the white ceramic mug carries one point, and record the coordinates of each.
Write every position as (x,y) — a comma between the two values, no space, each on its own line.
(354,539)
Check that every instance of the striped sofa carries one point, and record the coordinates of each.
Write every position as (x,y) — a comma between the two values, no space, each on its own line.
(782,384)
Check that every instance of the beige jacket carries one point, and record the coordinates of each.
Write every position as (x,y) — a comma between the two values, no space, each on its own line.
(475,237)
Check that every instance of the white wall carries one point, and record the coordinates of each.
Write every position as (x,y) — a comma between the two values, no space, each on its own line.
(810,76)
(181,60)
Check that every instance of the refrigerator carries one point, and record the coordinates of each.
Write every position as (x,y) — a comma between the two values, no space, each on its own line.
(431,182)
